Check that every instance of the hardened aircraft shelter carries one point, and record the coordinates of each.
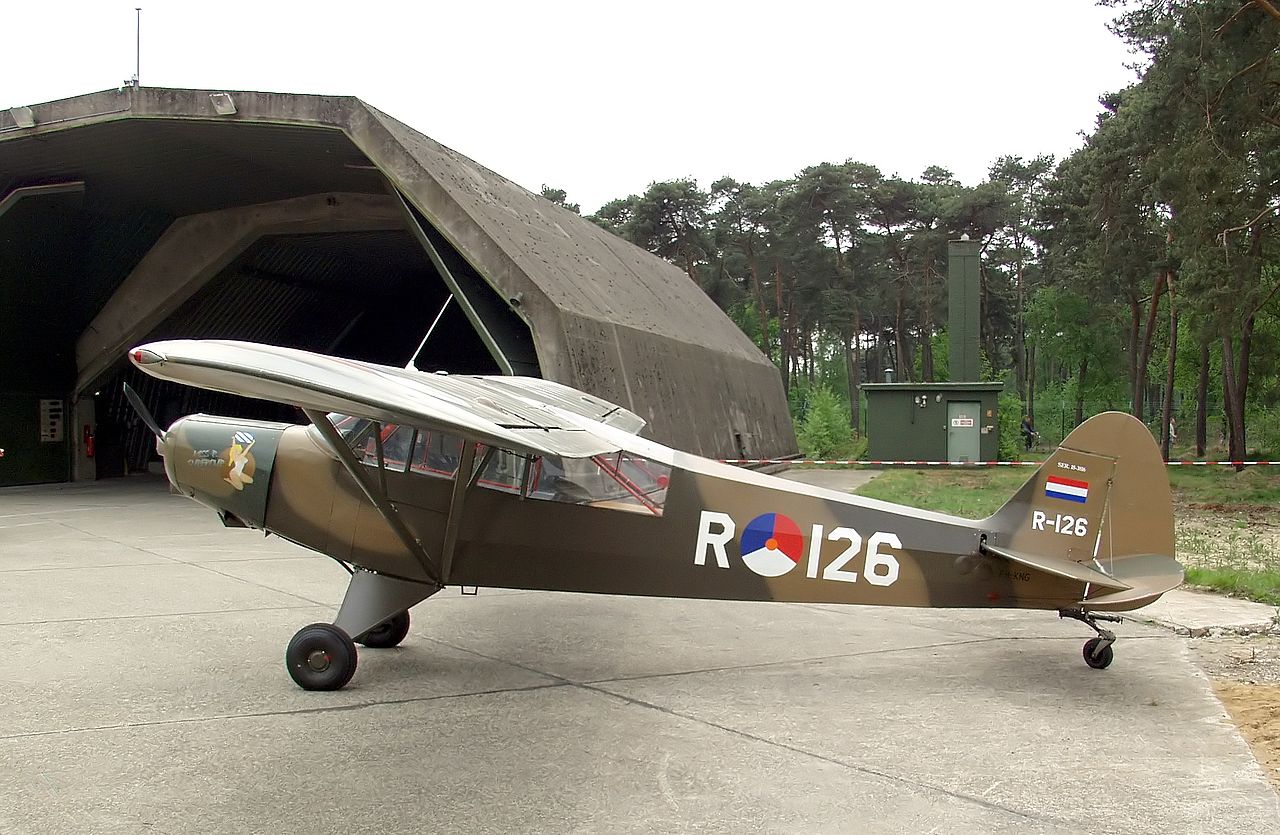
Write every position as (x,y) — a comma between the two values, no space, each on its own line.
(321,223)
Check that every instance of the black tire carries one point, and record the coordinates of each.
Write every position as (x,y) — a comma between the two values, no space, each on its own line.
(387,634)
(321,657)
(1103,659)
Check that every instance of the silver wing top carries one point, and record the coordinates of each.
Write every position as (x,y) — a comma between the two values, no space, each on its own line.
(524,414)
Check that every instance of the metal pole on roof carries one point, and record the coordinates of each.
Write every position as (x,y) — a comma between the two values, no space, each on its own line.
(137,47)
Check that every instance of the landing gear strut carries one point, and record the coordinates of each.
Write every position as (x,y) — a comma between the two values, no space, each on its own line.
(375,611)
(1097,651)
(387,634)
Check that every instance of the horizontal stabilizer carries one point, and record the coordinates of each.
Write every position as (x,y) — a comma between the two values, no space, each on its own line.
(1060,567)
(1148,576)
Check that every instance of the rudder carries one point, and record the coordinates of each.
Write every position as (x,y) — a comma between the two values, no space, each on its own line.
(1103,495)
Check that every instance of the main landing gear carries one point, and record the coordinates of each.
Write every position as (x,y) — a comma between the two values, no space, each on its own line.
(323,656)
(1097,651)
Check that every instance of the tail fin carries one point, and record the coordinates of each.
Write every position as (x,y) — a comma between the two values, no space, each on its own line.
(1098,510)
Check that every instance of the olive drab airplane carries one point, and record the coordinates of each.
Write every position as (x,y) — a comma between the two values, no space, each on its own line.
(415,481)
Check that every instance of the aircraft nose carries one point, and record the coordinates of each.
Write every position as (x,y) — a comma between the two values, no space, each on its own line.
(167,444)
(223,462)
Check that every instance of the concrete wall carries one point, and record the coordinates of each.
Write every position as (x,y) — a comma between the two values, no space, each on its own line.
(604,316)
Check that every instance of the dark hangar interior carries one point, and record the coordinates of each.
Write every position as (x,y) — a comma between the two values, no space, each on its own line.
(319,223)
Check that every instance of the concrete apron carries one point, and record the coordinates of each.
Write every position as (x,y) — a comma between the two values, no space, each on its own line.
(145,690)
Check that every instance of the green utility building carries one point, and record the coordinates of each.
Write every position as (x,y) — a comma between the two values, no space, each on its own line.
(956,421)
(933,421)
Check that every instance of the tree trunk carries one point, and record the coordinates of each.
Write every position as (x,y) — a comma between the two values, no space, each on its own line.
(926,357)
(1135,322)
(855,386)
(984,331)
(692,269)
(1148,343)
(902,359)
(761,309)
(1233,405)
(784,348)
(1084,371)
(1227,399)
(1020,341)
(1031,383)
(1166,413)
(1202,400)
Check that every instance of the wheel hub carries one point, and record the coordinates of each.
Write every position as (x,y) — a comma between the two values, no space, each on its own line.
(319,660)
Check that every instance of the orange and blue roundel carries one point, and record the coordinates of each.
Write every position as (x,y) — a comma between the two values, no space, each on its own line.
(771,545)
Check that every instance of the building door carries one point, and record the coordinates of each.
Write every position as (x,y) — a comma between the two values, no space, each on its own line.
(963,440)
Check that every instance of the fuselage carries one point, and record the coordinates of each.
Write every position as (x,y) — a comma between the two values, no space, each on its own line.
(661,523)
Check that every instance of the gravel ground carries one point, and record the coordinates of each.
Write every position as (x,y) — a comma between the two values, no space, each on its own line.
(1245,671)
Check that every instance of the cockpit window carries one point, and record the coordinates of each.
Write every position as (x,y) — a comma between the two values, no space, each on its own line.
(396,442)
(504,470)
(436,453)
(620,481)
(353,430)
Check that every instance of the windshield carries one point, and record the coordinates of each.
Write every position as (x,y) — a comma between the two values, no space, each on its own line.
(618,481)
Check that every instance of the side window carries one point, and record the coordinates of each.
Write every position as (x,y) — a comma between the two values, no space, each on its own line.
(621,481)
(436,453)
(396,441)
(504,471)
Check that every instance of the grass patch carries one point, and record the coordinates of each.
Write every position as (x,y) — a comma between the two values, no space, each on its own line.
(1223,486)
(973,494)
(1262,586)
(1226,523)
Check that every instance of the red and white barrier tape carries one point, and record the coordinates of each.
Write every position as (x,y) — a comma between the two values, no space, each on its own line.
(846,463)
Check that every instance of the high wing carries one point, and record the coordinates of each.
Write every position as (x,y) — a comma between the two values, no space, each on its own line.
(524,414)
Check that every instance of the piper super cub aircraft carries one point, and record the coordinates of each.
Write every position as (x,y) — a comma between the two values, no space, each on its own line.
(415,481)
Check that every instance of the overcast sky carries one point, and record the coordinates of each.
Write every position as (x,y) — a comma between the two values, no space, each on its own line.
(602,98)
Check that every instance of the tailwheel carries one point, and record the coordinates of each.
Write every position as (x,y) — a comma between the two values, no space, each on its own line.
(389,633)
(1097,651)
(321,657)
(1097,654)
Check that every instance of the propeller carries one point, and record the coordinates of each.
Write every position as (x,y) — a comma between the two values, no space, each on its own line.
(138,406)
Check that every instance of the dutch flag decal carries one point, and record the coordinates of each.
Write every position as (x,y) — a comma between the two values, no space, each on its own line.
(1069,489)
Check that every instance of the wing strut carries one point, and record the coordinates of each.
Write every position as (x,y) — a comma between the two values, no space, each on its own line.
(462,483)
(378,497)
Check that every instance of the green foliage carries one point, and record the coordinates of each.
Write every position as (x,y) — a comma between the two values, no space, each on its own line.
(839,271)
(561,198)
(825,426)
(941,359)
(1011,444)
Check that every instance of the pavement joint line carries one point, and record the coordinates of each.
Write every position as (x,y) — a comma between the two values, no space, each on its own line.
(820,607)
(250,582)
(191,720)
(202,568)
(263,558)
(595,688)
(118,542)
(44,513)
(781,662)
(833,760)
(162,615)
(78,567)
